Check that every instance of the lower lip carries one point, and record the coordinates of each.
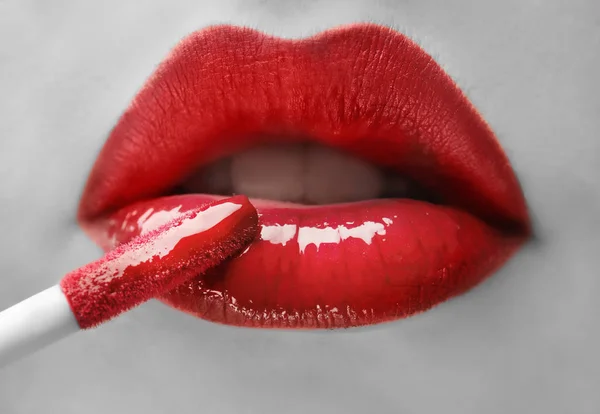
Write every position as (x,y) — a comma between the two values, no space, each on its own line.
(329,266)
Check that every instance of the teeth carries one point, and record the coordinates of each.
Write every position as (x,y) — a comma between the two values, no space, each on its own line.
(301,173)
(274,172)
(334,177)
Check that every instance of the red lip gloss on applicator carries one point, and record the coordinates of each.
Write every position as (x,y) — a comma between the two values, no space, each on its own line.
(133,273)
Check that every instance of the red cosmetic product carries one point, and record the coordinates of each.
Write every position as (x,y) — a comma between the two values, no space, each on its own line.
(135,272)
(363,89)
(159,261)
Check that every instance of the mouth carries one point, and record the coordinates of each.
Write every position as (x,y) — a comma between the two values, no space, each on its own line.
(381,191)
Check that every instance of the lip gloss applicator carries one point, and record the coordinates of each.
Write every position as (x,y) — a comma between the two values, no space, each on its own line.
(147,266)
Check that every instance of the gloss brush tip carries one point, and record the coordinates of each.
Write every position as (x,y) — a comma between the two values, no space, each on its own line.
(133,273)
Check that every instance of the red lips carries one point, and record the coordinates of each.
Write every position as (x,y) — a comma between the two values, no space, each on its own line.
(364,89)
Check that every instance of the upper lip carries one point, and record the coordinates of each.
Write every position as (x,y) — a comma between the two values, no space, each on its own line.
(386,94)
(363,88)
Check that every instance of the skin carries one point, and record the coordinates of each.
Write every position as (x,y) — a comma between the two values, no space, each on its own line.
(524,341)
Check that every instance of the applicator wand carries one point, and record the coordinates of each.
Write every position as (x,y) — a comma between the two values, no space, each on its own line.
(133,273)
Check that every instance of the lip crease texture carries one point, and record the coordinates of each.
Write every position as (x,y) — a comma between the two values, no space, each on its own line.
(364,89)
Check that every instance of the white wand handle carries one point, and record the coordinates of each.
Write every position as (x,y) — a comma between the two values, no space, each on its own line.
(34,324)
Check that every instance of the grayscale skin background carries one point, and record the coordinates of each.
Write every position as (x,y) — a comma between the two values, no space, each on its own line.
(526,341)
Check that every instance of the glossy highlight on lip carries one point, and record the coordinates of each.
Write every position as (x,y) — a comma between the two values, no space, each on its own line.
(364,89)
